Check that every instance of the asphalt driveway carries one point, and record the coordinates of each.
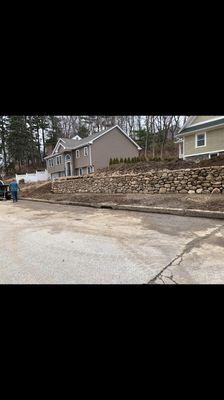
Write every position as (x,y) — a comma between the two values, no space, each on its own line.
(48,243)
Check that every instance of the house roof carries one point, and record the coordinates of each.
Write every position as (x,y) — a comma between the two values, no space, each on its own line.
(187,127)
(71,144)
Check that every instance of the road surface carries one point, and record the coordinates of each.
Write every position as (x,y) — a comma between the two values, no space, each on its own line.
(47,243)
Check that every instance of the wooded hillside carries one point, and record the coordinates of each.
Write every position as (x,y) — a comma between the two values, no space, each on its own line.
(26,140)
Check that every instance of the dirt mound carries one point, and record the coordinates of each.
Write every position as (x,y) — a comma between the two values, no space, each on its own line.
(35,189)
(156,165)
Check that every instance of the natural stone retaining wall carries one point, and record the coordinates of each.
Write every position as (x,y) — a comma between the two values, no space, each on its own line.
(197,180)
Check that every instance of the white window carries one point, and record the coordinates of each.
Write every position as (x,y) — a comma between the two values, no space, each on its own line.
(77,153)
(200,140)
(58,160)
(67,158)
(51,162)
(85,151)
(80,171)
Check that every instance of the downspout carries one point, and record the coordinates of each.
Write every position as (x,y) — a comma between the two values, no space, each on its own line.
(72,169)
(90,156)
(183,148)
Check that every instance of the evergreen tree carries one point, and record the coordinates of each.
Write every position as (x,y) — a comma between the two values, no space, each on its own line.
(55,131)
(43,125)
(3,137)
(20,141)
(34,123)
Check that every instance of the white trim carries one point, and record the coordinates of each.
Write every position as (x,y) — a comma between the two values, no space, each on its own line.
(118,127)
(205,152)
(66,168)
(202,129)
(199,129)
(189,120)
(92,140)
(69,161)
(181,144)
(196,140)
(208,120)
(77,154)
(60,159)
(55,150)
(103,133)
(90,155)
(87,152)
(70,157)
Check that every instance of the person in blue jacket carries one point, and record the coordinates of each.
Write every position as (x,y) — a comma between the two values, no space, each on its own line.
(14,188)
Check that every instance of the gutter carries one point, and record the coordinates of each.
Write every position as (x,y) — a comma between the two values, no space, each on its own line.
(184,212)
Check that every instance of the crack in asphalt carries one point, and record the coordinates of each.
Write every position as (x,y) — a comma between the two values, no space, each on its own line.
(196,242)
(171,278)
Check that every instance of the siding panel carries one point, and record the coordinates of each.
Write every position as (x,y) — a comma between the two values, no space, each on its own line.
(113,144)
(202,118)
(215,142)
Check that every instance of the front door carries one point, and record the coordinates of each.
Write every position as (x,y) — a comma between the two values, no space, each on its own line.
(68,165)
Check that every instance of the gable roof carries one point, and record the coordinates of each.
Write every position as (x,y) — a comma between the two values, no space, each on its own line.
(71,144)
(190,127)
(187,123)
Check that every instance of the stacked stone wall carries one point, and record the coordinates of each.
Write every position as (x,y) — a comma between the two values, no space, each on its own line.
(197,180)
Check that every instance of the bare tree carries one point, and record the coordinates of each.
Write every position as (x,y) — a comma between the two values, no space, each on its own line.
(166,124)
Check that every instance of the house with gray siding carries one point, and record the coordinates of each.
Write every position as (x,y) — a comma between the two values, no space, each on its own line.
(201,137)
(76,156)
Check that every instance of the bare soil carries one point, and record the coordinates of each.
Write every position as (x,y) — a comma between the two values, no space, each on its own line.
(149,165)
(213,202)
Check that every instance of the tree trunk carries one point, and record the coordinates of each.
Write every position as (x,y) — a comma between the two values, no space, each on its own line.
(146,144)
(153,147)
(43,137)
(162,150)
(3,144)
(4,151)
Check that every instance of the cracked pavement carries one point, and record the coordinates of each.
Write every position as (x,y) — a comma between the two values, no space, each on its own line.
(49,243)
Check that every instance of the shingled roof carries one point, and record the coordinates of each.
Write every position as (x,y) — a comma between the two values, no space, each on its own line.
(72,144)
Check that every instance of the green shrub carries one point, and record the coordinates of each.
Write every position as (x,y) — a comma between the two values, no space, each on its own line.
(111,161)
(125,160)
(128,160)
(121,160)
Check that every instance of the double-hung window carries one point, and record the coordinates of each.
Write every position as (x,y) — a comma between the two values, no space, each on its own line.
(85,151)
(200,139)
